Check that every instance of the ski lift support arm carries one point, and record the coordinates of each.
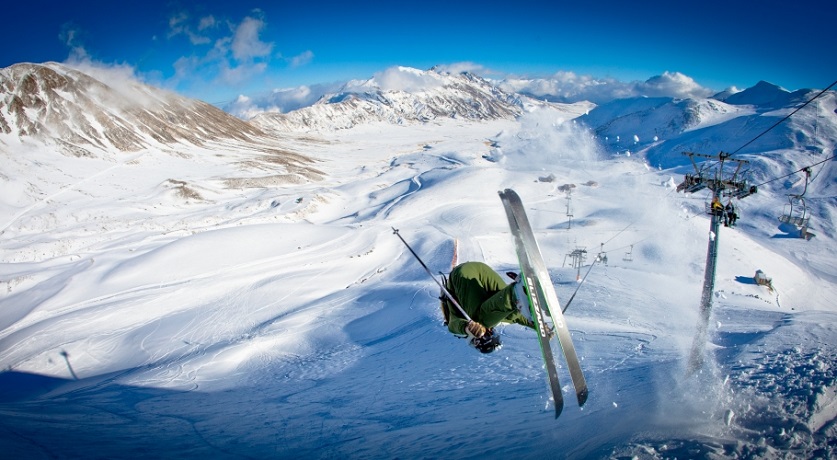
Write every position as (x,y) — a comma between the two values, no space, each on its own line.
(731,187)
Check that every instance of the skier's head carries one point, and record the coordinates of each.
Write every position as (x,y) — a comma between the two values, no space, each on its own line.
(488,342)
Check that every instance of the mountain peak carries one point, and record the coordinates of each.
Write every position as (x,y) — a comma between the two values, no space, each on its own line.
(762,94)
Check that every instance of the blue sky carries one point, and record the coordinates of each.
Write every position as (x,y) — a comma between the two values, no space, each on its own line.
(216,50)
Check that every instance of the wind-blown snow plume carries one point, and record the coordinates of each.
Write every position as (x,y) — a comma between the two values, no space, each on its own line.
(545,138)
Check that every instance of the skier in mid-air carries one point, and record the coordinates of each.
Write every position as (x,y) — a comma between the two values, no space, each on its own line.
(488,300)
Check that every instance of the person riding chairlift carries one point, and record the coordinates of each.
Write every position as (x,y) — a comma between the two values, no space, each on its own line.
(717,207)
(730,216)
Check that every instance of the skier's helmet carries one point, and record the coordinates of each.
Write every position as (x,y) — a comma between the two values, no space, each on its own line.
(488,342)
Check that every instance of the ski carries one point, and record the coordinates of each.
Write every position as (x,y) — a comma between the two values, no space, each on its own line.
(535,307)
(543,300)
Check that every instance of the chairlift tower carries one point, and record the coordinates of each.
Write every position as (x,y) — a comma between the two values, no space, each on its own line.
(579,255)
(721,184)
(569,208)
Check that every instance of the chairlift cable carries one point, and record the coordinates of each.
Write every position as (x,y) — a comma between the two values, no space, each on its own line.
(818,173)
(567,305)
(620,232)
(628,245)
(797,171)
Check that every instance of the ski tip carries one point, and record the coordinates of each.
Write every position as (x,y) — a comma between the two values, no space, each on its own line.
(582,396)
(558,409)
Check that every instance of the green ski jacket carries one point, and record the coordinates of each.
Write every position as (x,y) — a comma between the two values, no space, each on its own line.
(483,294)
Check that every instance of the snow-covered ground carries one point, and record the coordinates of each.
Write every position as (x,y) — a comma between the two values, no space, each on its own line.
(151,306)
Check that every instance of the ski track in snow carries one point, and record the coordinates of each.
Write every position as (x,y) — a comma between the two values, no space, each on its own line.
(290,323)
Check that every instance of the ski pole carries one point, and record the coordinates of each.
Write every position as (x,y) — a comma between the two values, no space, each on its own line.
(444,290)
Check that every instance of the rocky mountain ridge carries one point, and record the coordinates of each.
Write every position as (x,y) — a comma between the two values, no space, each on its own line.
(61,105)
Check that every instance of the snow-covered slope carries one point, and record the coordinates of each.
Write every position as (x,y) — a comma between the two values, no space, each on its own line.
(186,305)
(631,124)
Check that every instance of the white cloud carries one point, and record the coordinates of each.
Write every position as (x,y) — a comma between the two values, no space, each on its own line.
(245,108)
(673,84)
(237,53)
(71,35)
(234,75)
(179,25)
(223,54)
(459,67)
(280,100)
(207,22)
(301,59)
(407,79)
(183,66)
(571,87)
(246,42)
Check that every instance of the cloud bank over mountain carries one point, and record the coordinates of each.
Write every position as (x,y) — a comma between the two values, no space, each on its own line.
(567,87)
(562,86)
(571,87)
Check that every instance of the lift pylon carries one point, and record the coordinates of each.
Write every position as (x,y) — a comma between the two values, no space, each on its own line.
(722,184)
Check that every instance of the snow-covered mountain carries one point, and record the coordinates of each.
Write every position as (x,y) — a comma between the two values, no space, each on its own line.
(767,96)
(401,96)
(80,113)
(662,129)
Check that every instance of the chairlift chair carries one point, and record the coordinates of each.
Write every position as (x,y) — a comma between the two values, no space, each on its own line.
(795,212)
(691,184)
(629,256)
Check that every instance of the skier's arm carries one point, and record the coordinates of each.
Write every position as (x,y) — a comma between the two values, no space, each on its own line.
(457,325)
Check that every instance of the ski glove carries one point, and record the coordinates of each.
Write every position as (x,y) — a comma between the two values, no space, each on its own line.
(475,330)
